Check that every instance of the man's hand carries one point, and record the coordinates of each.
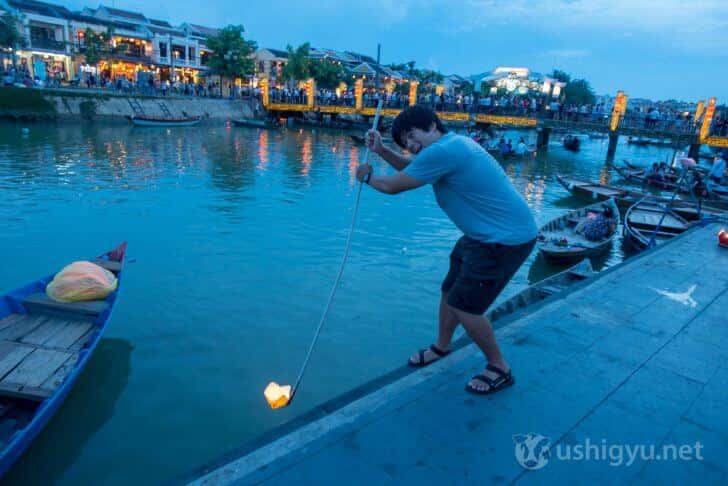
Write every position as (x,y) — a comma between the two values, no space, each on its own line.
(363,170)
(374,142)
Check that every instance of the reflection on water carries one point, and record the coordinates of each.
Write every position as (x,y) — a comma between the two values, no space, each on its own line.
(237,234)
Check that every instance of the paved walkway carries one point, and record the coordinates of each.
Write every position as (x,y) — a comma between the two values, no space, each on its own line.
(637,356)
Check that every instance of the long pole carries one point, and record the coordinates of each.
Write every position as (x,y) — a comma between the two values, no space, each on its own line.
(341,269)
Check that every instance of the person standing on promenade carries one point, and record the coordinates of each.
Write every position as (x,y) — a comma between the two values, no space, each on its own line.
(499,229)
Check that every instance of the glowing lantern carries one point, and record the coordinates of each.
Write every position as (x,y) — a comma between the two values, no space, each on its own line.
(276,395)
(723,238)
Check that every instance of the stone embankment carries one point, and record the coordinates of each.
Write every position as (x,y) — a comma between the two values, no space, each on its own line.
(79,104)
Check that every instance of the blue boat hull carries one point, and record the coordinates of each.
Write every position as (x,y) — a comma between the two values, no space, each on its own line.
(12,303)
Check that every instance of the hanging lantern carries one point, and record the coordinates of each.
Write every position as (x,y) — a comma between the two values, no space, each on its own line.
(723,238)
(276,395)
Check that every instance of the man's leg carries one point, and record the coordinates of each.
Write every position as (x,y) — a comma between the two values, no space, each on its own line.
(447,323)
(481,332)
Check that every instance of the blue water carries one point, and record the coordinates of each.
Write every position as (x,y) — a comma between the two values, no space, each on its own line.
(235,236)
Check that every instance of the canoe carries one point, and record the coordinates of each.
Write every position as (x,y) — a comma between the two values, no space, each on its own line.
(642,219)
(598,136)
(543,289)
(638,141)
(253,123)
(625,198)
(638,176)
(148,121)
(560,241)
(572,143)
(45,345)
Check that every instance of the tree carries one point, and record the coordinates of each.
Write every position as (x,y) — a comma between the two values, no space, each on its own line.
(327,74)
(97,46)
(579,92)
(10,36)
(562,76)
(231,54)
(298,66)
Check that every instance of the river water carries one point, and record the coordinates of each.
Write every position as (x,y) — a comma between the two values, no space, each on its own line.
(235,236)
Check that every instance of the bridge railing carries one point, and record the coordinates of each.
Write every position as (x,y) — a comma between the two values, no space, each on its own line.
(639,120)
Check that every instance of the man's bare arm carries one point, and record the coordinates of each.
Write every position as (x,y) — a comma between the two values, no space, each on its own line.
(397,160)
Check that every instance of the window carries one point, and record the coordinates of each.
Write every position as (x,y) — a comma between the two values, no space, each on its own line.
(162,49)
(191,53)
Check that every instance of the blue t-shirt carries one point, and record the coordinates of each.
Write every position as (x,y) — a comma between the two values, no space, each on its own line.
(474,191)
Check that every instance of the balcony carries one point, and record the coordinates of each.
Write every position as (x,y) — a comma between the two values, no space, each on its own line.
(48,45)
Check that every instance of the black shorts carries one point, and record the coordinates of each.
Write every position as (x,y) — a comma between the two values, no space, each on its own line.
(480,271)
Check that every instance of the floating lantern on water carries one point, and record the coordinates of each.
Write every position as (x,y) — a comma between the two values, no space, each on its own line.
(723,238)
(276,395)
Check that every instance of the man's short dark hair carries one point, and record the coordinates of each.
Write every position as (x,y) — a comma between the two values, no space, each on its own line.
(416,116)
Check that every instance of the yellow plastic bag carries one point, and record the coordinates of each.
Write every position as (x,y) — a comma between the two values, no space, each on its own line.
(81,281)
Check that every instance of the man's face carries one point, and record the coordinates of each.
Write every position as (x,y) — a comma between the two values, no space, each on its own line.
(416,139)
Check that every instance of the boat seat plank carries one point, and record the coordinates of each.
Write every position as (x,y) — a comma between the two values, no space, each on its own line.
(25,324)
(50,385)
(35,369)
(10,355)
(109,265)
(9,320)
(44,332)
(81,342)
(40,302)
(69,334)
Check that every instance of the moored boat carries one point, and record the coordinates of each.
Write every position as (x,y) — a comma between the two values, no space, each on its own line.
(645,220)
(569,237)
(151,121)
(572,143)
(253,123)
(638,141)
(638,176)
(45,345)
(543,289)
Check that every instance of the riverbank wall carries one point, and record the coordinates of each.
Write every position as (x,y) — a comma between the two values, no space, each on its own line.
(78,104)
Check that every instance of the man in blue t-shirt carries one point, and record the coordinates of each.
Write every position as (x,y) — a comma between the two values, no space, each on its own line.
(499,229)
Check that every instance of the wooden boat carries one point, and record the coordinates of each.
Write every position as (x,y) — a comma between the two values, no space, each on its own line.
(638,141)
(638,176)
(543,289)
(572,143)
(625,198)
(150,121)
(642,219)
(560,241)
(253,123)
(44,347)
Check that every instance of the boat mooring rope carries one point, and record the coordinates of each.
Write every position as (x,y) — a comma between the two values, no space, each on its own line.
(341,267)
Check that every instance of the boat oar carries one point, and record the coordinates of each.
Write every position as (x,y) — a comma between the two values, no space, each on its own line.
(277,395)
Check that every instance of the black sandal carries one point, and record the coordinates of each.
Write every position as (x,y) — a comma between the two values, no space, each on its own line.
(504,380)
(422,363)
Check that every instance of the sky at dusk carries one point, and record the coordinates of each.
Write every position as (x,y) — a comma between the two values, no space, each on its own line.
(651,49)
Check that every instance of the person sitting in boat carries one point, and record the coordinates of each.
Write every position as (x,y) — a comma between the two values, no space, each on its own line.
(503,147)
(697,186)
(596,227)
(718,169)
(521,147)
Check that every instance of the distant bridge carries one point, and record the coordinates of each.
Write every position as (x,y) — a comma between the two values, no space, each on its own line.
(693,133)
